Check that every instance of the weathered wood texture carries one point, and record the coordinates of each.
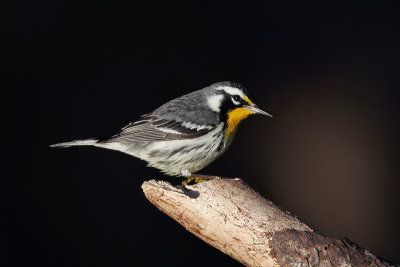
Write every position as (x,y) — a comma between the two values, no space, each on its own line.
(232,217)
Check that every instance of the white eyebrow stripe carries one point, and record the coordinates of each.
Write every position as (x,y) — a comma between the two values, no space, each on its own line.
(232,90)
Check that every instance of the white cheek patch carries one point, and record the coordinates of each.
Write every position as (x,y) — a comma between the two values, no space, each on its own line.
(214,102)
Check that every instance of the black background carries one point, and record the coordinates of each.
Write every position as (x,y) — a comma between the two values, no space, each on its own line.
(328,72)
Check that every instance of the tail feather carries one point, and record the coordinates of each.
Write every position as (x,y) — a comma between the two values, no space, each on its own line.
(86,142)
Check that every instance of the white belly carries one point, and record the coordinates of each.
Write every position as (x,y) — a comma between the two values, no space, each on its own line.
(184,157)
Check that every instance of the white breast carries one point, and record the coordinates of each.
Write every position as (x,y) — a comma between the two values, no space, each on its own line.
(183,157)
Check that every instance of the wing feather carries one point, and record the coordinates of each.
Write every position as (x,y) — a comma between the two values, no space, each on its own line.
(153,128)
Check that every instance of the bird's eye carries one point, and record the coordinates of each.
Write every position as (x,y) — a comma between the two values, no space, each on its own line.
(236,98)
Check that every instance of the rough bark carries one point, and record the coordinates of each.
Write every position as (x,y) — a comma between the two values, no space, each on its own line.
(232,217)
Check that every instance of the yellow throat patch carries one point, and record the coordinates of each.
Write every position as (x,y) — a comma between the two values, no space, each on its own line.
(234,118)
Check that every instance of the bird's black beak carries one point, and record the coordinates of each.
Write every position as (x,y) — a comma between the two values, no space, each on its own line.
(257,110)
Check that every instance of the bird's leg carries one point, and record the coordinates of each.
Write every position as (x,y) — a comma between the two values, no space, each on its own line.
(197,178)
(187,181)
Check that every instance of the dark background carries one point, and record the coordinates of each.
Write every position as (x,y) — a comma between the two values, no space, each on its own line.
(328,72)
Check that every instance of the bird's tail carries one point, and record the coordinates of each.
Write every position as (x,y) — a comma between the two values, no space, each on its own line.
(86,142)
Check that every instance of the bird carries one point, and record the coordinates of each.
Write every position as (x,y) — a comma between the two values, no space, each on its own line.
(186,134)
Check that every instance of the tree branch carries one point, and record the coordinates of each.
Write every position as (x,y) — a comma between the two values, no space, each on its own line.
(232,217)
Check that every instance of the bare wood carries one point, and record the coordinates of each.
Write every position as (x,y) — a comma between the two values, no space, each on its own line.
(232,217)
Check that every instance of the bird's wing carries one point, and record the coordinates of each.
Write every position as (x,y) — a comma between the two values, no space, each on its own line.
(153,128)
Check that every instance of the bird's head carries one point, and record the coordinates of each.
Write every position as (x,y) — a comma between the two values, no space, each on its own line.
(233,103)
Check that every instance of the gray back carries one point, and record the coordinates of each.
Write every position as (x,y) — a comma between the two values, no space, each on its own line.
(192,107)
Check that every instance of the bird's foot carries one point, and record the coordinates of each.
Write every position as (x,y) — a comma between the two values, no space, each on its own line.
(197,178)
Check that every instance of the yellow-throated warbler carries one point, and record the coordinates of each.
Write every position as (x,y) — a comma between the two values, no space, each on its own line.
(185,134)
